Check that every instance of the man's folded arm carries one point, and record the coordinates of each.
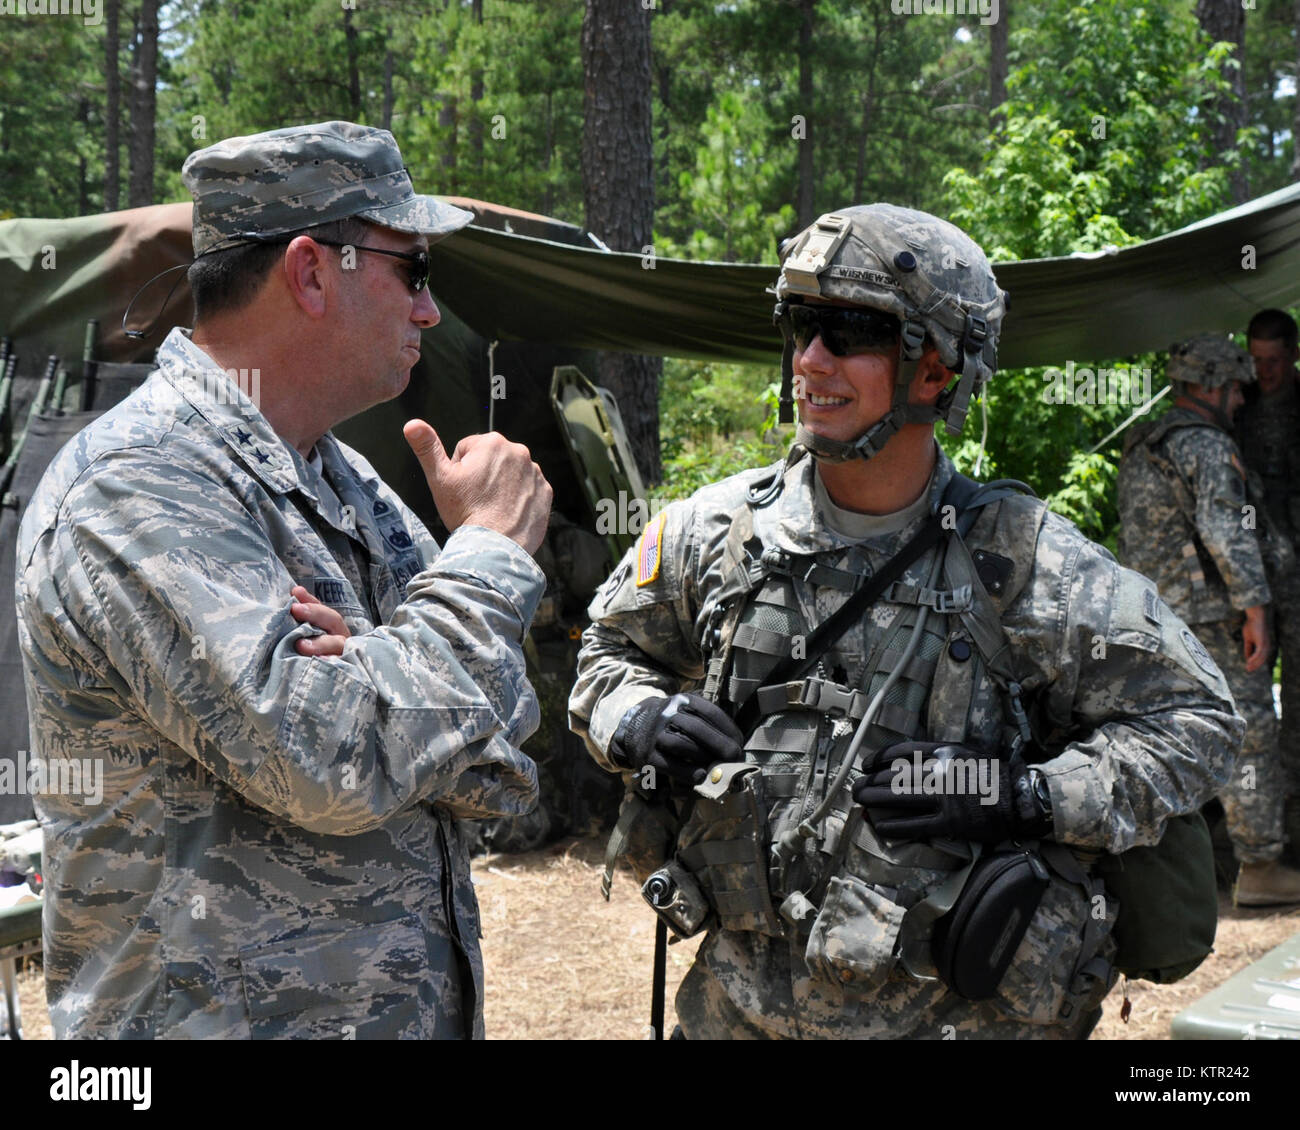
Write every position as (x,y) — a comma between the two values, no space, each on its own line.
(184,592)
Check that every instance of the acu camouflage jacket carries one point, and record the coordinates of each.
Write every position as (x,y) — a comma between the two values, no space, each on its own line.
(1184,517)
(1136,725)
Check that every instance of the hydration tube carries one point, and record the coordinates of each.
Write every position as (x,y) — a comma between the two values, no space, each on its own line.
(791,840)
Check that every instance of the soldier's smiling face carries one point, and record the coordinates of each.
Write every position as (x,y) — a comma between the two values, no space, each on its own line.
(1273,362)
(841,397)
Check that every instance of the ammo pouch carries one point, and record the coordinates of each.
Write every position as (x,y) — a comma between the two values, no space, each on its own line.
(983,912)
(973,944)
(723,845)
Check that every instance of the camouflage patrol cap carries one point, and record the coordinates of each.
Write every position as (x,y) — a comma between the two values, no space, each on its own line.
(289,179)
(1209,360)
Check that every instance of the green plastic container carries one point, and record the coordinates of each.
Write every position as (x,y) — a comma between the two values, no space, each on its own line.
(1262,1002)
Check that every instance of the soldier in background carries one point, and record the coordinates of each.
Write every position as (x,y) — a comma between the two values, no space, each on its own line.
(817,874)
(1186,522)
(1268,431)
(278,849)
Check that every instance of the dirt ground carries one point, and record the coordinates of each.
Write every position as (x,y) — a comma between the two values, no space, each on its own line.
(564,964)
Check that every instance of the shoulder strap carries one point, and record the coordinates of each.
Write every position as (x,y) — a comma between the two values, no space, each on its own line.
(982,619)
(962,494)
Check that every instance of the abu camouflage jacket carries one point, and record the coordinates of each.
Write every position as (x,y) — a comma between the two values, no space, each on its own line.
(276,851)
(1135,718)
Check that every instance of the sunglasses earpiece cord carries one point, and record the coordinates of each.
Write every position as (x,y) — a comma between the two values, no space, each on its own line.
(136,335)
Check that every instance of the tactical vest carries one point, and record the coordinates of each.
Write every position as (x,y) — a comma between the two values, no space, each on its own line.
(862,906)
(944,692)
(868,910)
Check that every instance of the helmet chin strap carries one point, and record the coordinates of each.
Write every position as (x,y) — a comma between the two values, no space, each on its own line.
(1216,409)
(900,413)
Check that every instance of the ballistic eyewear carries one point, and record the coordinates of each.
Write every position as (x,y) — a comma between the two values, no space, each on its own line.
(843,331)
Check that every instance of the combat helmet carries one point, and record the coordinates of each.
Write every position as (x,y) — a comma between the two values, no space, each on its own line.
(1209,360)
(923,270)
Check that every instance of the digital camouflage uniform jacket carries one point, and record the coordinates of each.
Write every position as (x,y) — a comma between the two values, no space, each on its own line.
(1209,570)
(1141,726)
(277,850)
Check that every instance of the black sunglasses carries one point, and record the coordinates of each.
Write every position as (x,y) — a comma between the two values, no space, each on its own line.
(418,272)
(843,331)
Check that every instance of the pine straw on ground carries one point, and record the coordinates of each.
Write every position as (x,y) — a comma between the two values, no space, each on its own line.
(564,964)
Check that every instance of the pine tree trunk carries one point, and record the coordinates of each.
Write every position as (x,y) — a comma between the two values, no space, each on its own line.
(868,112)
(805,204)
(388,89)
(113,106)
(618,188)
(548,198)
(1225,20)
(474,130)
(144,105)
(1295,126)
(998,63)
(354,70)
(448,118)
(83,185)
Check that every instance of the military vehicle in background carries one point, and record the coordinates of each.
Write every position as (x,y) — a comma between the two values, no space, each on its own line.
(65,286)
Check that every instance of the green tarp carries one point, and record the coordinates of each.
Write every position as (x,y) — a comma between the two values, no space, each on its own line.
(1213,275)
(1096,308)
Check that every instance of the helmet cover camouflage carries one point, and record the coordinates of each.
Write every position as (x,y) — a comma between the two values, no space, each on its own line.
(1209,360)
(927,272)
(289,179)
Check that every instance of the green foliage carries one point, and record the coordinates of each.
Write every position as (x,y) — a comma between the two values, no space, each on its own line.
(1268,146)
(1103,142)
(733,173)
(254,67)
(1105,138)
(713,423)
(1086,494)
(50,117)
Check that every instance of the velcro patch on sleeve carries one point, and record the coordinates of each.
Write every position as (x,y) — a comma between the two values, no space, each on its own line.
(651,551)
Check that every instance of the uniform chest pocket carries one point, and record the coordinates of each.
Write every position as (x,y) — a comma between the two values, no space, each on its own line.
(338,594)
(364,982)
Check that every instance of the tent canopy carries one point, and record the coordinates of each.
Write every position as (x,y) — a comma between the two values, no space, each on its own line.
(1202,278)
(516,276)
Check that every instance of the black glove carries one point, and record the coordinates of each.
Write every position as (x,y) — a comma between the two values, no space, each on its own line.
(676,737)
(958,793)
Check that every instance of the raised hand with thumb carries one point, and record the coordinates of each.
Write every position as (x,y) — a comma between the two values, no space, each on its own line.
(487,481)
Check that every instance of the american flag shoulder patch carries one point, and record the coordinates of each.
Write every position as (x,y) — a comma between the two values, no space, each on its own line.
(647,565)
